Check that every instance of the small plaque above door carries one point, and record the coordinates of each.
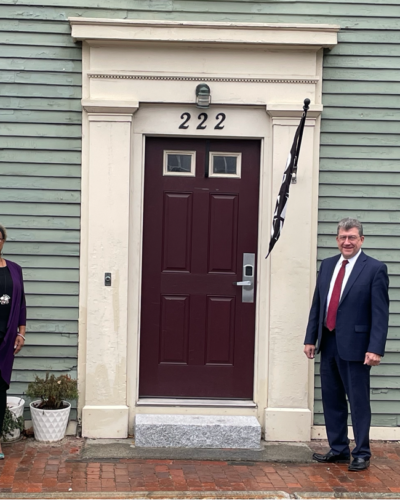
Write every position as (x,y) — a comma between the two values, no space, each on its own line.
(180,163)
(225,165)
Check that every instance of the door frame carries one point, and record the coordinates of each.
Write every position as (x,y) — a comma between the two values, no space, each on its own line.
(126,96)
(148,119)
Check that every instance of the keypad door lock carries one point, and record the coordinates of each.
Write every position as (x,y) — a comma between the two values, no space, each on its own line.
(248,277)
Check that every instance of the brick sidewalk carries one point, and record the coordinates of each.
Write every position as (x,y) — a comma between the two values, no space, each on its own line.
(32,467)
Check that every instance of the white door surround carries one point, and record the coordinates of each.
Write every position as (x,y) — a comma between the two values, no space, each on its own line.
(139,78)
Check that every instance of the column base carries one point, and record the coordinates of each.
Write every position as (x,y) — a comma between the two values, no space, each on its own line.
(288,424)
(105,421)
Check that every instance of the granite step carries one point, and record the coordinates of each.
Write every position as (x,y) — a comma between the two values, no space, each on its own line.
(197,431)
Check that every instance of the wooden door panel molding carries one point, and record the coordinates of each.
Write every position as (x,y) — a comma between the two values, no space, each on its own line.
(223,233)
(177,231)
(220,330)
(174,327)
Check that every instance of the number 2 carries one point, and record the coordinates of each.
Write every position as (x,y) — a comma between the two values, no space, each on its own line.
(222,117)
(185,117)
(201,125)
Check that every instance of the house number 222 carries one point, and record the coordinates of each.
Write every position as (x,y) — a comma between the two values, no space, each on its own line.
(203,117)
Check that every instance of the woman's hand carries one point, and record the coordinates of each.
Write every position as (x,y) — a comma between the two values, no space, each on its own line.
(19,344)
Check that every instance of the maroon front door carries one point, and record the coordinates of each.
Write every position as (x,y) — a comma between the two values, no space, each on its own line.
(200,217)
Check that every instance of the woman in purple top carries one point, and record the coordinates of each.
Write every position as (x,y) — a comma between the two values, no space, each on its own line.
(12,321)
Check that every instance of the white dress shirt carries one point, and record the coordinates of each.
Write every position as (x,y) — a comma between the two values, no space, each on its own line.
(349,267)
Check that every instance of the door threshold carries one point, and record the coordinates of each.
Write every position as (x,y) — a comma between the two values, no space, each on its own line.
(200,403)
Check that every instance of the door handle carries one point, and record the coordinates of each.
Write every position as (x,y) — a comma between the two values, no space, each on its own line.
(248,277)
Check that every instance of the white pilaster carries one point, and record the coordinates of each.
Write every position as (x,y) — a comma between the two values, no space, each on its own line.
(288,416)
(105,411)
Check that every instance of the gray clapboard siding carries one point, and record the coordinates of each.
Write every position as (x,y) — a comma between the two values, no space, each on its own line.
(362,127)
(38,52)
(35,221)
(48,290)
(21,208)
(46,262)
(351,204)
(370,140)
(27,117)
(40,103)
(358,165)
(353,178)
(40,77)
(59,327)
(18,37)
(45,183)
(383,88)
(40,170)
(48,196)
(34,26)
(41,130)
(27,64)
(47,91)
(40,300)
(49,275)
(380,216)
(361,74)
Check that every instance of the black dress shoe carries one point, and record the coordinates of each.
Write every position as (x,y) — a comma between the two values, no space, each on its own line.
(331,458)
(359,464)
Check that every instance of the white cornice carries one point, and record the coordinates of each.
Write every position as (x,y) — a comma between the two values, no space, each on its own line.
(293,110)
(107,106)
(312,35)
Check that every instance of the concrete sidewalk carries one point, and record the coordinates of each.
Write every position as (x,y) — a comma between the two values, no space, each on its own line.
(76,469)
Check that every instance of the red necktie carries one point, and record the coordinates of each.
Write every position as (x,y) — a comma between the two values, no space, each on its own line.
(335,298)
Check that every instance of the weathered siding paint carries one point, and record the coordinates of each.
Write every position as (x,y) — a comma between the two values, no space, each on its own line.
(40,76)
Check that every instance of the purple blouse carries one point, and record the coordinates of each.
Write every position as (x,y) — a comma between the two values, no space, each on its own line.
(17,318)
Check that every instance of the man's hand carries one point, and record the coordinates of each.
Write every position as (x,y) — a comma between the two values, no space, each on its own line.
(372,359)
(309,351)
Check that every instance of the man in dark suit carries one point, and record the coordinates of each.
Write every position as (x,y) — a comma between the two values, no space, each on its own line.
(349,321)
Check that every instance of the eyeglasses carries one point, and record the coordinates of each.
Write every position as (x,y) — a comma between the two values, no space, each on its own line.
(350,238)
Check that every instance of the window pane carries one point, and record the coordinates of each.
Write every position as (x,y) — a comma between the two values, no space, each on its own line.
(224,164)
(179,163)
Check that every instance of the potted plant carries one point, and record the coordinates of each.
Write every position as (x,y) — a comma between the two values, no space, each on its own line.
(13,422)
(50,413)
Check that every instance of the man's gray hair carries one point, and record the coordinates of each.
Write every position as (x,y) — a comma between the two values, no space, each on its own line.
(3,232)
(348,223)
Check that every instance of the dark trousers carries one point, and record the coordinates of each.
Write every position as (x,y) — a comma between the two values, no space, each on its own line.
(338,378)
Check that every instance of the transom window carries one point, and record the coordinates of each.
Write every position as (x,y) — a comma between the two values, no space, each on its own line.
(225,164)
(180,163)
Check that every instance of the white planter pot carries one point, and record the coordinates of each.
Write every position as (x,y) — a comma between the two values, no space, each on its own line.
(16,406)
(49,425)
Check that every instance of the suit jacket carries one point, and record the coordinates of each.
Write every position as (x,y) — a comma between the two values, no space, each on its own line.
(363,313)
(17,318)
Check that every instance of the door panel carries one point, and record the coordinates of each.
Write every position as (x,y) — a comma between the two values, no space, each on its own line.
(197,335)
